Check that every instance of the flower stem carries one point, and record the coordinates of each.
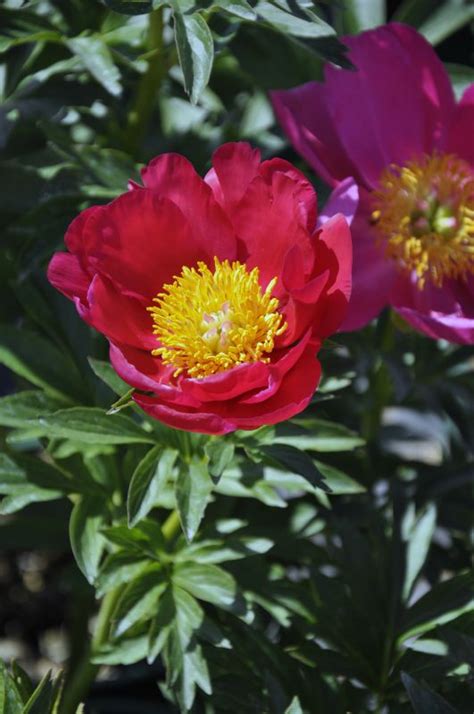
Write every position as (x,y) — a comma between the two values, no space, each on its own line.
(142,109)
(85,674)
(171,526)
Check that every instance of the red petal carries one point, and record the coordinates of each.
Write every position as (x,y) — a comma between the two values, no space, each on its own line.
(67,275)
(174,177)
(235,165)
(141,242)
(121,318)
(303,191)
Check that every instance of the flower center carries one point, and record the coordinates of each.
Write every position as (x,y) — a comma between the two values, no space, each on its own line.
(209,321)
(424,214)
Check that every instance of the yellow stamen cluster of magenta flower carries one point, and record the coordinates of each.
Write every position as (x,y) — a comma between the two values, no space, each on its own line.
(424,213)
(209,321)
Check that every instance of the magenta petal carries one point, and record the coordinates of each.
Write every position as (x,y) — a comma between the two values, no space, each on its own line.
(304,114)
(372,274)
(453,328)
(441,313)
(460,137)
(344,199)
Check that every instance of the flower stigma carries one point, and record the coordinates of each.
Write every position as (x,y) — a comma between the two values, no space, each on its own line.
(424,215)
(210,321)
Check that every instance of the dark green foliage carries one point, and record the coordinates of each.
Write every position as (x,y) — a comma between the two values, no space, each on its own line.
(321,565)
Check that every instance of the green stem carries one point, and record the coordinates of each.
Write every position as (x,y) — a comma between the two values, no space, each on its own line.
(85,674)
(171,526)
(83,677)
(141,112)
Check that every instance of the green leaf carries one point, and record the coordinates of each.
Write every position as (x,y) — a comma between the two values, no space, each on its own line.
(220,551)
(22,681)
(41,699)
(239,8)
(87,541)
(139,600)
(93,426)
(127,650)
(117,569)
(147,481)
(359,15)
(412,12)
(220,452)
(306,25)
(17,410)
(274,60)
(10,699)
(195,52)
(318,435)
(207,582)
(107,374)
(291,458)
(424,700)
(337,481)
(146,538)
(193,492)
(418,543)
(130,7)
(40,362)
(295,707)
(446,20)
(162,623)
(440,605)
(97,58)
(461,77)
(29,480)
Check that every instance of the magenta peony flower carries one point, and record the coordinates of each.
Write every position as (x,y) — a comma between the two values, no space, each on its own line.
(394,126)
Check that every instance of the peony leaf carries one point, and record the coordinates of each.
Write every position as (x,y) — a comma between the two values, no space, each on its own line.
(359,15)
(195,52)
(239,8)
(139,599)
(23,408)
(289,457)
(40,362)
(418,543)
(147,481)
(107,374)
(303,24)
(446,20)
(87,541)
(193,492)
(93,426)
(207,582)
(424,700)
(97,58)
(441,604)
(295,707)
(129,7)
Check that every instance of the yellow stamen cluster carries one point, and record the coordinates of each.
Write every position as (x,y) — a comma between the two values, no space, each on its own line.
(424,214)
(209,321)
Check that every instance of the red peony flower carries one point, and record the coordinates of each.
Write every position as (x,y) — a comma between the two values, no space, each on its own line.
(395,127)
(215,294)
